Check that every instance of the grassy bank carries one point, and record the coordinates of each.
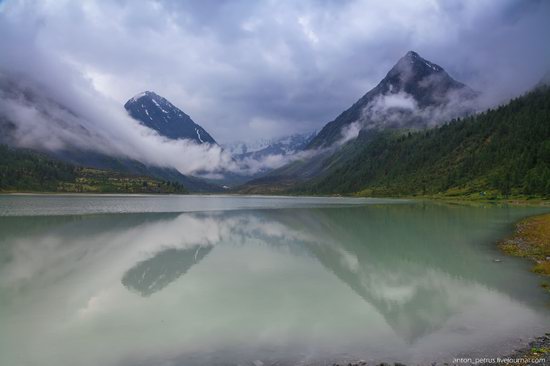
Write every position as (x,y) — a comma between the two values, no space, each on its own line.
(467,198)
(480,199)
(531,239)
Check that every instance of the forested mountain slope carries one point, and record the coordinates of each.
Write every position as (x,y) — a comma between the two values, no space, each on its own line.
(505,151)
(27,171)
(415,94)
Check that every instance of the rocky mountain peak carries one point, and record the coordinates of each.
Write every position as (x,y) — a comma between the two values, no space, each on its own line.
(424,80)
(159,114)
(415,93)
(414,59)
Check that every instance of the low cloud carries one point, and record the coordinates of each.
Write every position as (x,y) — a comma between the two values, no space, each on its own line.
(40,123)
(401,110)
(395,101)
(35,121)
(350,132)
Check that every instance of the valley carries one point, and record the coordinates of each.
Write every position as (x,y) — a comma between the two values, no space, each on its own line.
(419,133)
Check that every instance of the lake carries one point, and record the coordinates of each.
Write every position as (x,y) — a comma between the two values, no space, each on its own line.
(235,280)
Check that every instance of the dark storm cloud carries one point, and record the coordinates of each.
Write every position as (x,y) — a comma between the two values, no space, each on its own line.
(253,69)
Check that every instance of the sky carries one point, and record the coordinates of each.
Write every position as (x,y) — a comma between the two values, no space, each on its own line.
(247,69)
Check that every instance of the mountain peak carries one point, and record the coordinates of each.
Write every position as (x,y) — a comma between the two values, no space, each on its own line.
(427,82)
(157,113)
(142,94)
(415,93)
(412,62)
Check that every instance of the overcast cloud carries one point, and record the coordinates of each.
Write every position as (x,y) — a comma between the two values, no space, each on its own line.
(254,69)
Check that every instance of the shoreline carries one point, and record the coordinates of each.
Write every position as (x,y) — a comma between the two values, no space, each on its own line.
(518,201)
(515,201)
(531,240)
(537,352)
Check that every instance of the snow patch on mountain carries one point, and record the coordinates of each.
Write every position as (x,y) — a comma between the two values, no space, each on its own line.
(286,145)
(138,96)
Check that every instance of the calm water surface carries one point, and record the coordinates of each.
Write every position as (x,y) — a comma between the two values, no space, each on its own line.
(190,280)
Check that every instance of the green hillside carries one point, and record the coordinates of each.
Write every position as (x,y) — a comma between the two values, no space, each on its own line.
(27,171)
(499,153)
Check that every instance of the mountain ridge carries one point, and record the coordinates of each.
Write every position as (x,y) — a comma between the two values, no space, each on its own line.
(498,153)
(285,145)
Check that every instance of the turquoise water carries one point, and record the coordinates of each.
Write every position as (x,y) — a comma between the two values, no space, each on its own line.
(195,280)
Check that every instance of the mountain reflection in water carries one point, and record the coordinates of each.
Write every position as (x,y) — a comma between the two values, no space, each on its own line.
(378,282)
(152,275)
